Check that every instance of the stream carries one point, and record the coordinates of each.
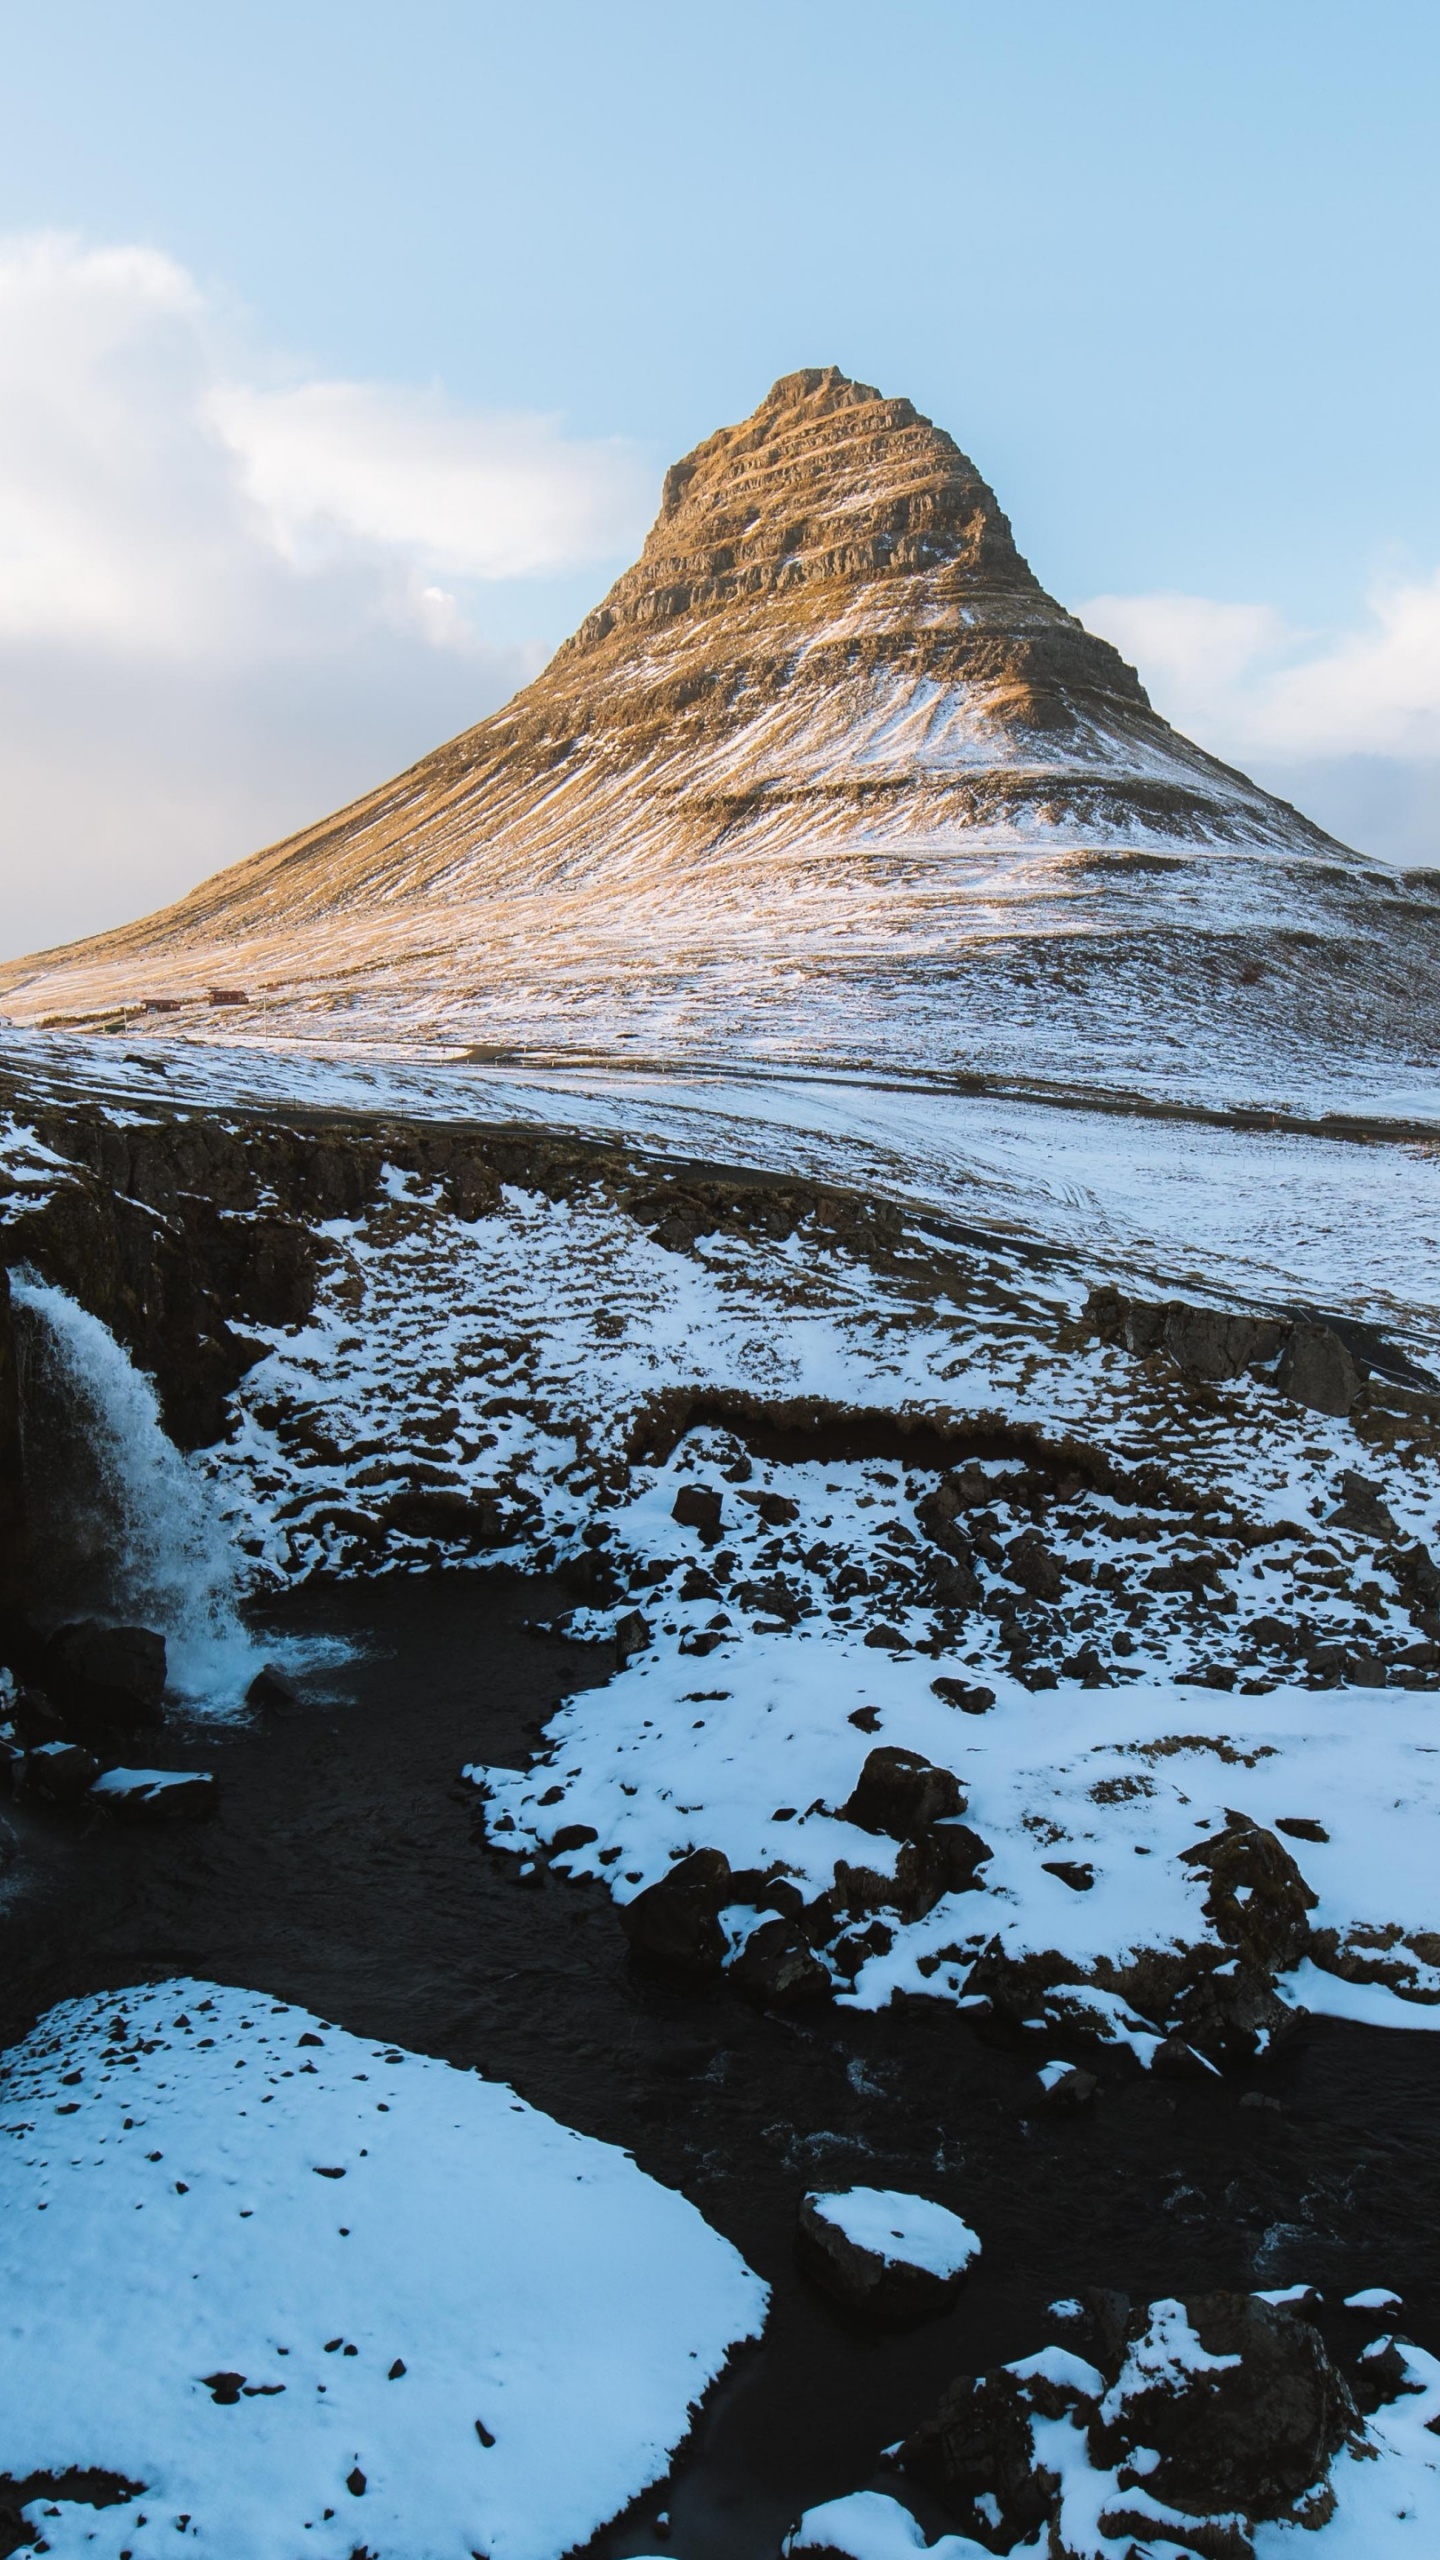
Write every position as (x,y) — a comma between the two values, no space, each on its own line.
(343,1872)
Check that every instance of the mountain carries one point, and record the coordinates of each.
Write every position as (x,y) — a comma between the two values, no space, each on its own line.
(827,777)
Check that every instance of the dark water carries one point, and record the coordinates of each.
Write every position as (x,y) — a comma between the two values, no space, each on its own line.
(343,1872)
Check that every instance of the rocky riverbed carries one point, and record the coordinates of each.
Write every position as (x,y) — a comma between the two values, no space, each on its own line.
(344,1873)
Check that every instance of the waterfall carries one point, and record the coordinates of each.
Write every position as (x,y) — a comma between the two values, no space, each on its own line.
(121,1526)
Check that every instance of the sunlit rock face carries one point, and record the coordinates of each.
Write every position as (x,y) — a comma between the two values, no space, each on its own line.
(827,774)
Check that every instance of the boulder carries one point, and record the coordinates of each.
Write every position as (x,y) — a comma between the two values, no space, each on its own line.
(633,1634)
(157,1795)
(980,2444)
(778,1967)
(1239,2399)
(700,1506)
(1361,1507)
(1230,2014)
(1211,1342)
(970,1696)
(270,1693)
(1258,1902)
(900,1793)
(1317,1370)
(106,1678)
(60,1772)
(893,2258)
(1030,1562)
(676,1922)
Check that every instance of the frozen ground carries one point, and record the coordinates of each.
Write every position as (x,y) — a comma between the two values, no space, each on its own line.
(496,2349)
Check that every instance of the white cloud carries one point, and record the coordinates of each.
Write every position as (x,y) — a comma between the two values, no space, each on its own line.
(1347,722)
(475,497)
(230,600)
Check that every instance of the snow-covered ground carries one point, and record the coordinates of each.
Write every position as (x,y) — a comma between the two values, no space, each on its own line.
(293,2289)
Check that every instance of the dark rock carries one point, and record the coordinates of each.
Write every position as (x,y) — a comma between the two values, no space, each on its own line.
(1317,1370)
(886,1639)
(961,1851)
(1252,2430)
(1076,1872)
(35,1718)
(633,1634)
(865,1719)
(1074,2088)
(106,1678)
(572,1835)
(1362,1508)
(60,1773)
(1258,1902)
(969,1696)
(778,1967)
(900,1793)
(1208,1342)
(270,1693)
(891,2292)
(1381,2376)
(1110,2324)
(157,1795)
(1030,1562)
(981,2444)
(676,1922)
(953,1583)
(699,1506)
(1232,2013)
(1418,1574)
(1173,2059)
(1299,1826)
(776,1509)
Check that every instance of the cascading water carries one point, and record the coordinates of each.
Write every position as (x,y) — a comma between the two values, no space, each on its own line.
(120,1525)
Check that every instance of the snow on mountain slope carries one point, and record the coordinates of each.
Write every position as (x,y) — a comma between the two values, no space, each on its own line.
(829,775)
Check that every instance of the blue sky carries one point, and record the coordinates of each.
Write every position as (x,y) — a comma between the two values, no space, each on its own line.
(1168,272)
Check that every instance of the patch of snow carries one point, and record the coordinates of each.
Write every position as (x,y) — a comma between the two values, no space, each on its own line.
(497,2349)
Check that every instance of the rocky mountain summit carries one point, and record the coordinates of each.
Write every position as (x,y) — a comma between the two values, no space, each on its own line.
(829,774)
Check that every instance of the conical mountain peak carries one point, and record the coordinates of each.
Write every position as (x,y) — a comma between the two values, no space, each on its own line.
(825,484)
(827,774)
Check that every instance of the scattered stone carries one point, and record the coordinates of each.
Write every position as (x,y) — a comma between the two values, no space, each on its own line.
(894,2258)
(1299,1826)
(700,1506)
(1032,1564)
(572,1835)
(968,1695)
(778,1967)
(1362,1508)
(865,1719)
(60,1773)
(633,1634)
(157,1795)
(886,1639)
(1173,2059)
(677,1921)
(1076,1872)
(271,1693)
(901,1793)
(1066,2085)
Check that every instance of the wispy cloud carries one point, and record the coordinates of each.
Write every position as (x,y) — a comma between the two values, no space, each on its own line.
(231,596)
(1346,721)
